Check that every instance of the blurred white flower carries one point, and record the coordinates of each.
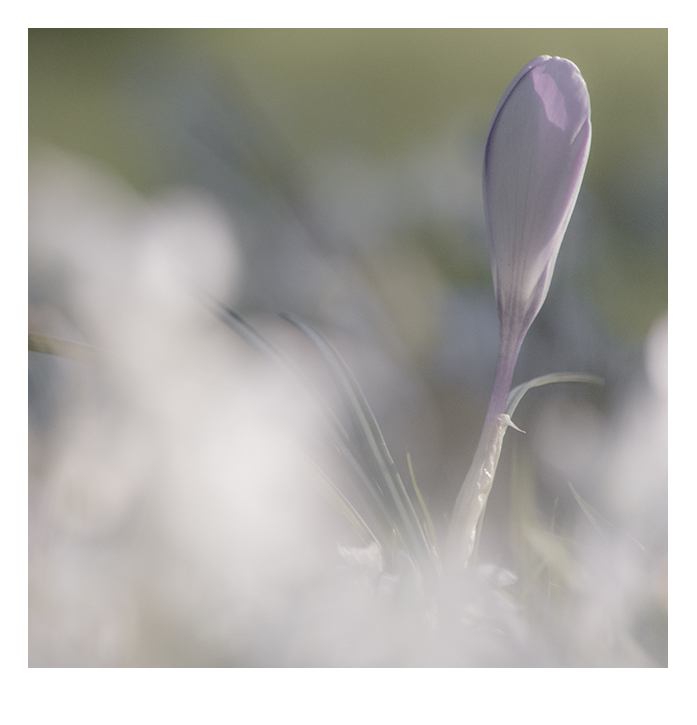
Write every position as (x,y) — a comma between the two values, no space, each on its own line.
(175,473)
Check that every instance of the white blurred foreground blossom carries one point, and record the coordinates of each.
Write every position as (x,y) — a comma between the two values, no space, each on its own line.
(535,158)
(171,505)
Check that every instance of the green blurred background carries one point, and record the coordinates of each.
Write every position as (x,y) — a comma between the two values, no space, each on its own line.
(376,94)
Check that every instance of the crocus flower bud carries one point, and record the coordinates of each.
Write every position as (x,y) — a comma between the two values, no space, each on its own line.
(535,157)
(534,161)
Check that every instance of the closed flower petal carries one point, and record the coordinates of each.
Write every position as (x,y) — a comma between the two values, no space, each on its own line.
(535,158)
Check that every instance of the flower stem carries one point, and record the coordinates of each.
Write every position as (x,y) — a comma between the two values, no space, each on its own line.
(471,501)
(474,493)
(509,348)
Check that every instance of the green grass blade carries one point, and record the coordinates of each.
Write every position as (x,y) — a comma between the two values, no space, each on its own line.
(62,348)
(516,395)
(373,437)
(428,527)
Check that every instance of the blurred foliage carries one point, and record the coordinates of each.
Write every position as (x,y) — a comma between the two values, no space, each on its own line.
(377,94)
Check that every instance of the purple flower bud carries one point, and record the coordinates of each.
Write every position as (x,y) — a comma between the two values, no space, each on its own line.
(534,162)
(535,157)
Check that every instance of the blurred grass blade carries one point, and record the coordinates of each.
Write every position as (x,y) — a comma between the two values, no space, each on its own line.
(249,333)
(428,523)
(345,507)
(411,530)
(62,348)
(591,515)
(336,431)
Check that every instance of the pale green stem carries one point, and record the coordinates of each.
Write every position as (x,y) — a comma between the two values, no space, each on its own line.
(474,493)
